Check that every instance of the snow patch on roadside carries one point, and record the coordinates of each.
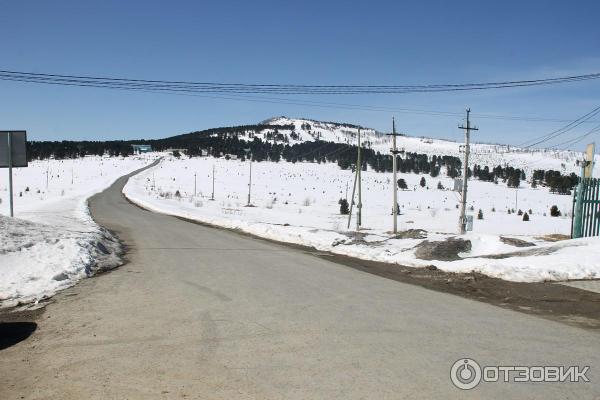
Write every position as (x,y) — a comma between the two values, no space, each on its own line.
(38,259)
(54,242)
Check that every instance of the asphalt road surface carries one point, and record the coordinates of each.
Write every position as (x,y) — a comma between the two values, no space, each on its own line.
(203,313)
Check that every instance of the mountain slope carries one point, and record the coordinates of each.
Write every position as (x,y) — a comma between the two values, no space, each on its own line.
(296,130)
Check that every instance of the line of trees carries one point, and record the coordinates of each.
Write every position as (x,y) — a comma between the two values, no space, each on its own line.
(226,141)
(558,183)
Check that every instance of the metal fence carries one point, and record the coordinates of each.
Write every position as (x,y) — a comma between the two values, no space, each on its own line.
(586,209)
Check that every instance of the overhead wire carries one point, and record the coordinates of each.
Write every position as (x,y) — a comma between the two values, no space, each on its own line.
(220,87)
(238,91)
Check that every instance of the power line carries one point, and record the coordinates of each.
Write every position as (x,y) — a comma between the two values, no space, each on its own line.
(561,131)
(578,138)
(196,89)
(288,89)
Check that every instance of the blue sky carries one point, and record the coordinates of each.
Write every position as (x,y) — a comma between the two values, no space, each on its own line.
(324,42)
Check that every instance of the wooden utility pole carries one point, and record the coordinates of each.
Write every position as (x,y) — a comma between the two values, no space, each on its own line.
(194,184)
(394,152)
(359,205)
(356,181)
(462,222)
(10,177)
(352,199)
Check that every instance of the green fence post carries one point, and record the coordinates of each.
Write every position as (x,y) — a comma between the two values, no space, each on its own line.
(578,215)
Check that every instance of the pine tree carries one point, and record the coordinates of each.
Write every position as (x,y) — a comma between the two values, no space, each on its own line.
(402,184)
(423,182)
(344,209)
(525,217)
(480,214)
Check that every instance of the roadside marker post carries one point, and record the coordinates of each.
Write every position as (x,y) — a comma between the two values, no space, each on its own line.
(13,154)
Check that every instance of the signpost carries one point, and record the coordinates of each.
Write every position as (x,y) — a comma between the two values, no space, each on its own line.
(13,154)
(589,157)
(586,207)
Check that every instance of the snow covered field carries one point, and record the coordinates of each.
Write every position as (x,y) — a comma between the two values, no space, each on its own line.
(298,203)
(53,241)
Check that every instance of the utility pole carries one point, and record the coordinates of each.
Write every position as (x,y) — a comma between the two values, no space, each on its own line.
(395,152)
(462,222)
(359,169)
(10,180)
(352,200)
(356,180)
(250,184)
(516,198)
(212,196)
(194,184)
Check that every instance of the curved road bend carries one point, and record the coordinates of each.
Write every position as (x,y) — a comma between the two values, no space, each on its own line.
(203,313)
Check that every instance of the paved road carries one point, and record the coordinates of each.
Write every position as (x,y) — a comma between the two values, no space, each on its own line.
(203,313)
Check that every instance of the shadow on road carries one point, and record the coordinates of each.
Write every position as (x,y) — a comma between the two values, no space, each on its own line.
(12,333)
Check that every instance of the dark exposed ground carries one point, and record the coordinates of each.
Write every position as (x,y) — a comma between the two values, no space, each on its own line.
(549,300)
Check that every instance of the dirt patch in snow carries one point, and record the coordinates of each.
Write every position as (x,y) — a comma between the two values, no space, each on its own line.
(446,250)
(516,242)
(411,234)
(555,237)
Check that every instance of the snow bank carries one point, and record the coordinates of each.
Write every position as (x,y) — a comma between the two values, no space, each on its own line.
(37,259)
(54,242)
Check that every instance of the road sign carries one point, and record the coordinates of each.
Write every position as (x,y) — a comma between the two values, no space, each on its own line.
(18,140)
(13,153)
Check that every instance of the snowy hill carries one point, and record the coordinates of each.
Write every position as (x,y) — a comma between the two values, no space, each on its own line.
(491,155)
(309,130)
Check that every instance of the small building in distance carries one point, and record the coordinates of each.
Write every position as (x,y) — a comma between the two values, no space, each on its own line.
(141,148)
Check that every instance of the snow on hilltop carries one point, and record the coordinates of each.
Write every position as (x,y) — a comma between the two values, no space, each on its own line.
(309,130)
(491,155)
